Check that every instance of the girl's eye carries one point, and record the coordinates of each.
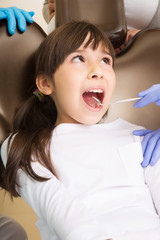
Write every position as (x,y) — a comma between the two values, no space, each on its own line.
(78,59)
(107,60)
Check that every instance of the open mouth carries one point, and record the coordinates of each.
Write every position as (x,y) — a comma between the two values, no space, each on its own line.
(89,96)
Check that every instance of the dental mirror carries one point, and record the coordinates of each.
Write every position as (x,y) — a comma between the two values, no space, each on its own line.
(115,102)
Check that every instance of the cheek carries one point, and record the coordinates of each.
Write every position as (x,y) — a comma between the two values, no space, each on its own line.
(114,82)
(111,82)
(67,92)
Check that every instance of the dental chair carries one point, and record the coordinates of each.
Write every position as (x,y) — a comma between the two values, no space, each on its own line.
(137,67)
(17,64)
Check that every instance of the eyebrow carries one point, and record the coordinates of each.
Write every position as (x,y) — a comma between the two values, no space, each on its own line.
(80,51)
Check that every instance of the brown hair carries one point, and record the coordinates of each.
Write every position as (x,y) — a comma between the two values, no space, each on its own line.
(34,120)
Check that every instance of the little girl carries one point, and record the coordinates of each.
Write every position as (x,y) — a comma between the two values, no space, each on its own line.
(84,180)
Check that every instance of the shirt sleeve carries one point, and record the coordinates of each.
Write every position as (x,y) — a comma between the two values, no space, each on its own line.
(45,11)
(52,202)
(68,217)
(152,178)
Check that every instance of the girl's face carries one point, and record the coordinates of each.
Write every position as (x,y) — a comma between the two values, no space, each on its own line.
(84,74)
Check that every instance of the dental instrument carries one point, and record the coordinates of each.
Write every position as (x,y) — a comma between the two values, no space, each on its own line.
(118,101)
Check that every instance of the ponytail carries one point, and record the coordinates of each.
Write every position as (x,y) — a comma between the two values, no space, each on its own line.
(32,128)
(34,115)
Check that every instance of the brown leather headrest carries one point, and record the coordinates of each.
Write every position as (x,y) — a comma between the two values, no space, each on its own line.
(107,14)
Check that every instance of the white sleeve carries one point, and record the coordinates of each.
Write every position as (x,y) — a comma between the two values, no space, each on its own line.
(52,202)
(152,178)
(51,25)
(45,11)
(68,217)
(139,13)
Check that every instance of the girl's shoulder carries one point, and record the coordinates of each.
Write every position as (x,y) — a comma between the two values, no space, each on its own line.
(119,126)
(122,124)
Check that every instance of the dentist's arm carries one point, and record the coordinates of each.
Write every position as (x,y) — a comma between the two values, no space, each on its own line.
(51,8)
(48,10)
(14,16)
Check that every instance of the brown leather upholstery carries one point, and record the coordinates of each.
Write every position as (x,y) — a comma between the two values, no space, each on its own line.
(107,14)
(136,70)
(17,56)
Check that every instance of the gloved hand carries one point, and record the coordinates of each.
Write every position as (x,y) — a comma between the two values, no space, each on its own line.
(150,95)
(150,146)
(13,15)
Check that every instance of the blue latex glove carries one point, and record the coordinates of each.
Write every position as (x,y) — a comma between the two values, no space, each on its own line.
(150,95)
(15,15)
(150,146)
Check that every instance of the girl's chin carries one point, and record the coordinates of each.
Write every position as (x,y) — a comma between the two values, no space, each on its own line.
(91,121)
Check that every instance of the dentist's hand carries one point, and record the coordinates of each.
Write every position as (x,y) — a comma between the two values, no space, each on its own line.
(15,15)
(150,146)
(51,8)
(150,95)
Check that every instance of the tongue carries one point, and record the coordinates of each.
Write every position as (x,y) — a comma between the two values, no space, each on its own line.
(87,96)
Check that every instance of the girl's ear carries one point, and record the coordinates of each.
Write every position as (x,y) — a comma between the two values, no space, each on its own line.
(44,84)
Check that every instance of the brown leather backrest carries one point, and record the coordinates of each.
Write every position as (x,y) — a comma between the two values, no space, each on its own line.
(136,70)
(17,62)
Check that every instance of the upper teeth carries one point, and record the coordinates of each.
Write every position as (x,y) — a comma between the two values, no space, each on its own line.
(96,91)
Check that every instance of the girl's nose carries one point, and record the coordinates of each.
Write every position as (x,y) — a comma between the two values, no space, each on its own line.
(95,73)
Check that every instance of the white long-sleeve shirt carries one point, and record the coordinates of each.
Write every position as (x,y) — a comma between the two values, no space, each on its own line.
(102,191)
